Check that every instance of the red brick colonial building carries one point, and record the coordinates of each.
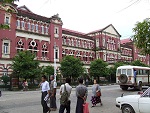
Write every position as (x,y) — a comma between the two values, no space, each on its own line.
(39,34)
(130,52)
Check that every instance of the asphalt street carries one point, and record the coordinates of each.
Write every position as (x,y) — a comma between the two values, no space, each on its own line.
(29,102)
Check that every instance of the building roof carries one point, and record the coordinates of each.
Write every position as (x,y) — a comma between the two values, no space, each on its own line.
(100,30)
(25,8)
(75,33)
(127,40)
(25,12)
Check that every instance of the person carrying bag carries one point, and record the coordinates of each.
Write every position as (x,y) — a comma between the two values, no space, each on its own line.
(65,91)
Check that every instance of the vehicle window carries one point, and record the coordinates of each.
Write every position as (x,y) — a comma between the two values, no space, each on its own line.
(119,71)
(147,94)
(129,72)
(123,71)
(144,72)
(141,72)
(138,72)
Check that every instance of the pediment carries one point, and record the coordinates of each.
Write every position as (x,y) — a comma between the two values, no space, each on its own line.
(111,29)
(8,8)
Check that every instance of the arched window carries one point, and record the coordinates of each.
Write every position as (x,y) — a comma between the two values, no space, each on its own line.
(5,72)
(20,46)
(33,47)
(44,51)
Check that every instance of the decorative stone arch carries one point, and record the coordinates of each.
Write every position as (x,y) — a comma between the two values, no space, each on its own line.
(9,8)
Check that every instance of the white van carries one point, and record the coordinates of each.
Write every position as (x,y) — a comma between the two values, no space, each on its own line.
(132,76)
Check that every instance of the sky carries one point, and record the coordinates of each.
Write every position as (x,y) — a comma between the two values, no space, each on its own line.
(89,15)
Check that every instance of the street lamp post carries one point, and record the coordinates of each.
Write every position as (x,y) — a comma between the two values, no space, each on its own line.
(55,61)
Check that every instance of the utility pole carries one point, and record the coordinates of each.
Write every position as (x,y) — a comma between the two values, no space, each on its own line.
(55,74)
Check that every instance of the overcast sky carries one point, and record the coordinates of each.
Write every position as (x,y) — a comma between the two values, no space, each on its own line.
(88,15)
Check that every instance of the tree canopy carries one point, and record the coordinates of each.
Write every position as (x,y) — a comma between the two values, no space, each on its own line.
(71,67)
(138,63)
(5,79)
(47,70)
(8,1)
(24,65)
(98,68)
(141,36)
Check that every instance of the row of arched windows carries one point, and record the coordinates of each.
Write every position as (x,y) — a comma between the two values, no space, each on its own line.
(33,47)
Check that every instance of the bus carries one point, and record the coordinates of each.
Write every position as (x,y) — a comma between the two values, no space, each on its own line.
(132,76)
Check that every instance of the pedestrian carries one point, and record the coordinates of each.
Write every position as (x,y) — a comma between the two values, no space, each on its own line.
(87,82)
(53,86)
(65,98)
(81,93)
(45,91)
(135,73)
(25,85)
(96,98)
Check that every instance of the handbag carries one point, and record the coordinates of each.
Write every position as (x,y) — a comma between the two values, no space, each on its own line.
(98,92)
(86,107)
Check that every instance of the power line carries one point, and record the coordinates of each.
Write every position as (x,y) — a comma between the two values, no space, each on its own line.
(137,1)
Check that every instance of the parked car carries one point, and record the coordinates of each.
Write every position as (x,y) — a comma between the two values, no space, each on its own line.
(139,103)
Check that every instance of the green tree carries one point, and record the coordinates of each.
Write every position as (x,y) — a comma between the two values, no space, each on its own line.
(141,36)
(24,65)
(138,63)
(47,70)
(8,1)
(112,71)
(5,79)
(98,68)
(71,67)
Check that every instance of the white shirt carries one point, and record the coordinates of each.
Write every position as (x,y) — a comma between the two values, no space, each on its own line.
(68,88)
(45,86)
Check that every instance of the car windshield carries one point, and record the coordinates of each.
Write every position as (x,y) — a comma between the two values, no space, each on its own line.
(146,93)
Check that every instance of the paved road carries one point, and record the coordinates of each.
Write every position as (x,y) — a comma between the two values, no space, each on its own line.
(29,102)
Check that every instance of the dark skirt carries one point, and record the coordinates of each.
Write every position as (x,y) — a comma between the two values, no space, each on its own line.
(79,106)
(95,100)
(53,102)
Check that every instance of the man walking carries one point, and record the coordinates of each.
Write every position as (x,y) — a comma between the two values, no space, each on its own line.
(63,89)
(45,90)
(53,86)
(81,93)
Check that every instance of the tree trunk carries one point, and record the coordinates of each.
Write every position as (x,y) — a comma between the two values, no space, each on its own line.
(98,79)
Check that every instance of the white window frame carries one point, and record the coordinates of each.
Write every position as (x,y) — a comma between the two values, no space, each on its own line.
(42,29)
(36,28)
(29,26)
(57,50)
(64,40)
(56,32)
(83,44)
(6,48)
(104,41)
(32,27)
(46,30)
(72,42)
(6,53)
(9,21)
(18,24)
(22,24)
(79,43)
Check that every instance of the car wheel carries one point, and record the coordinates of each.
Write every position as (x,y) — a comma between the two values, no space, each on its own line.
(127,109)
(124,88)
